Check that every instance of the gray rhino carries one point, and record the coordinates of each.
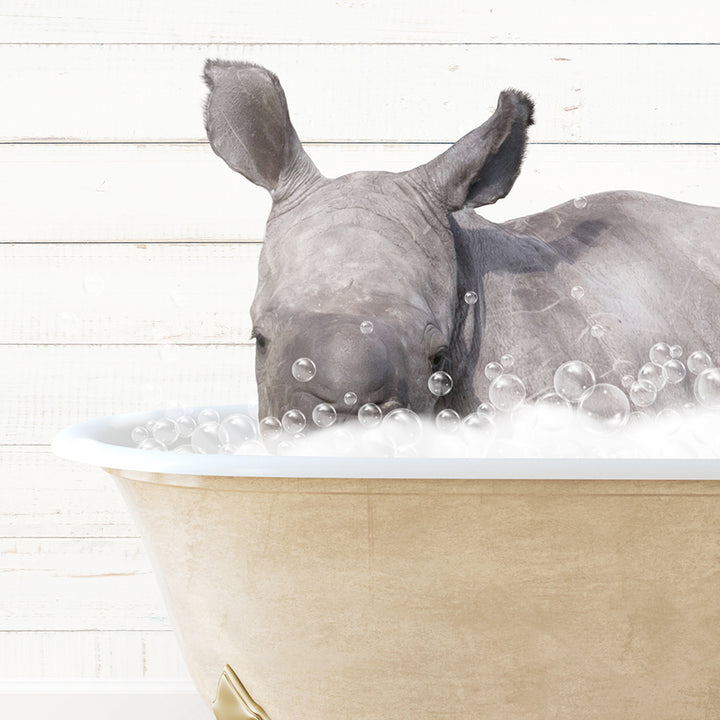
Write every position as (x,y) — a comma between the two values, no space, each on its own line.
(598,279)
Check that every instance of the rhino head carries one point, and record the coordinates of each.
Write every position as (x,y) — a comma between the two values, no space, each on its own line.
(373,247)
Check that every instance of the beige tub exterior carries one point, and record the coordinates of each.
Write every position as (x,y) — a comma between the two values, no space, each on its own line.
(340,599)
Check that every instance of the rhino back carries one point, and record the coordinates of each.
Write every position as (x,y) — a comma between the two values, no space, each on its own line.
(649,269)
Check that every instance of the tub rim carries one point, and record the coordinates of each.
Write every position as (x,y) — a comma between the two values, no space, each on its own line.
(91,443)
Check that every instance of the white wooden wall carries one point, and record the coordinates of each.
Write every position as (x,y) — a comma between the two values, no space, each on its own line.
(128,250)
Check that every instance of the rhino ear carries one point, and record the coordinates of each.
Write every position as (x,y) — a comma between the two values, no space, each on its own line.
(482,166)
(248,125)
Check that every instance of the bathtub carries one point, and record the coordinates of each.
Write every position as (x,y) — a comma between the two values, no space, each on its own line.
(310,588)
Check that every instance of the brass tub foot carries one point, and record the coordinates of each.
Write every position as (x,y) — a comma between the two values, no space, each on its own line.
(233,702)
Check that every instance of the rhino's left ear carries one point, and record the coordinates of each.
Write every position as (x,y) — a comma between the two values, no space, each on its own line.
(248,125)
(482,166)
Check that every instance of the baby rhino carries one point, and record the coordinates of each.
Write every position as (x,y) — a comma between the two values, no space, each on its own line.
(383,278)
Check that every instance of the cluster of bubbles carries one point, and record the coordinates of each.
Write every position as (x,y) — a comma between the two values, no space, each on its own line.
(500,426)
(185,430)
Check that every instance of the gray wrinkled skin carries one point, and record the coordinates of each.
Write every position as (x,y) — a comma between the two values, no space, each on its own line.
(402,249)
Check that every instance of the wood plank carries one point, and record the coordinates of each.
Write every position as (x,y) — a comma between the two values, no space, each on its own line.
(44,388)
(91,654)
(127,293)
(435,93)
(79,584)
(159,193)
(322,21)
(42,496)
(116,700)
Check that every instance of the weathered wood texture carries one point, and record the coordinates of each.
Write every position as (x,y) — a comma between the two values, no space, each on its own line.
(44,388)
(166,193)
(435,93)
(368,21)
(122,293)
(128,250)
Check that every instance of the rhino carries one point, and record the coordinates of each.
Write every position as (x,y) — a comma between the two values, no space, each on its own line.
(599,279)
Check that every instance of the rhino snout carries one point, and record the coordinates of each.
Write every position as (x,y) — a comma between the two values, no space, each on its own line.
(352,366)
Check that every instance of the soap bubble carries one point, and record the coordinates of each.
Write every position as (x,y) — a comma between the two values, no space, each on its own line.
(471,297)
(350,398)
(493,369)
(270,428)
(627,381)
(447,420)
(184,449)
(707,388)
(673,371)
(478,423)
(402,426)
(606,404)
(166,431)
(139,433)
(152,444)
(440,383)
(660,353)
(486,409)
(597,331)
(369,415)
(366,327)
(205,438)
(324,415)
(229,449)
(507,361)
(506,392)
(580,202)
(208,415)
(698,361)
(676,351)
(236,429)
(186,424)
(303,369)
(578,292)
(553,401)
(293,421)
(653,373)
(643,393)
(572,379)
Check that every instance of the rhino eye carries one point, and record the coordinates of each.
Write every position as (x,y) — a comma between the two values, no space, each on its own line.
(260,340)
(440,360)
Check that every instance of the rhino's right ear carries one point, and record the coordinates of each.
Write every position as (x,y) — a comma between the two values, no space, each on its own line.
(248,125)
